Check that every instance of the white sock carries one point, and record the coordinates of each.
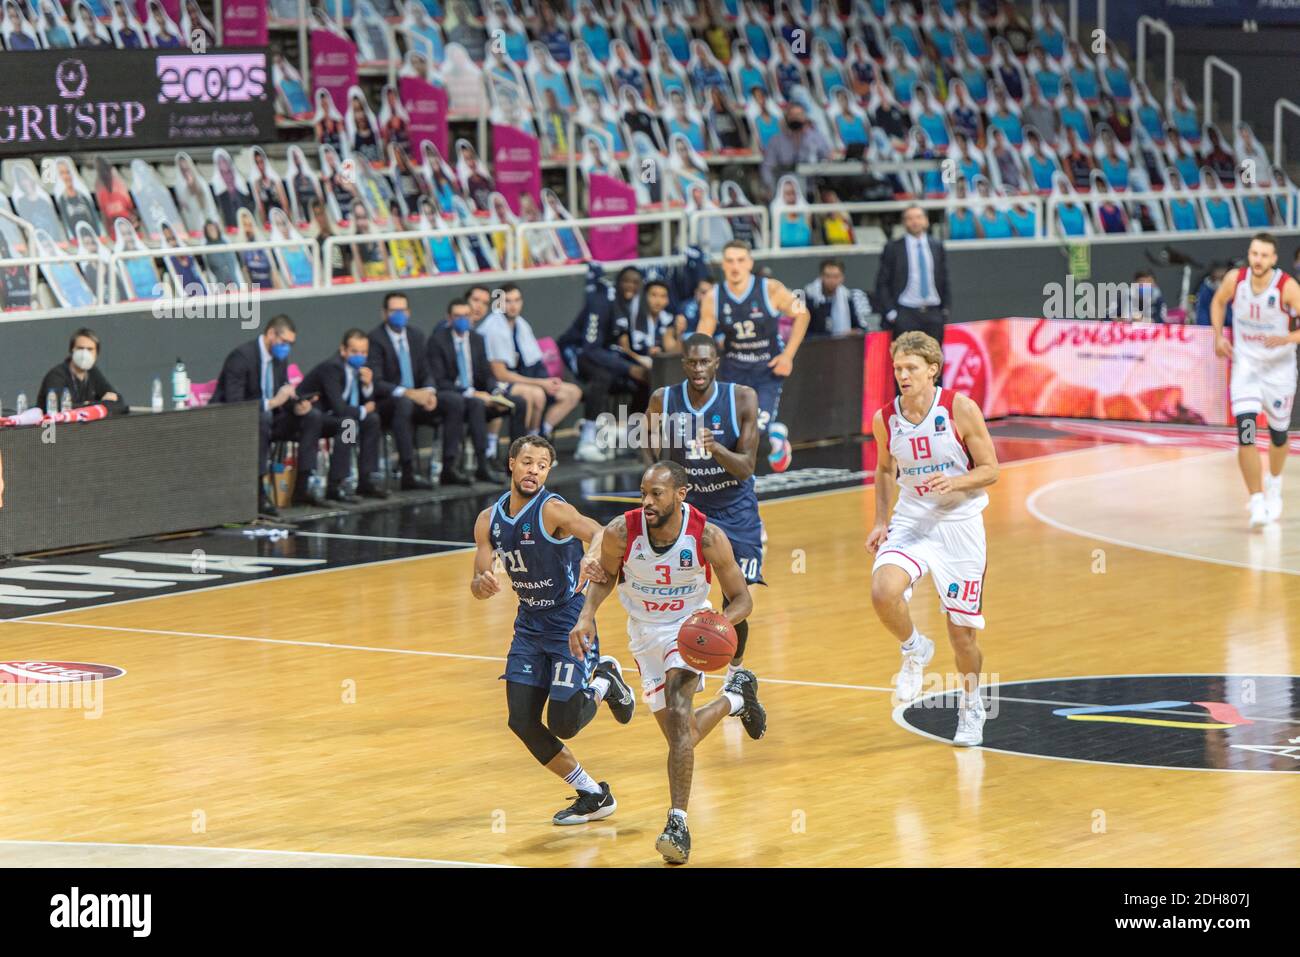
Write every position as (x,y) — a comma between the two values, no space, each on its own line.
(972,701)
(588,433)
(492,440)
(547,429)
(581,780)
(912,642)
(600,686)
(732,668)
(1272,482)
(678,812)
(737,701)
(1257,497)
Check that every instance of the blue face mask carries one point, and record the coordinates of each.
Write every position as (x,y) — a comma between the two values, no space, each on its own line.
(355,360)
(280,350)
(398,318)
(460,323)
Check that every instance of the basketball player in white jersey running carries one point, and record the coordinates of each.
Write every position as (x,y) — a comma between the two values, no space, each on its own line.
(1262,352)
(934,448)
(663,557)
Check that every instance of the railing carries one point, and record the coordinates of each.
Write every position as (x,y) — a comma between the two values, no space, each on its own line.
(420,235)
(1124,198)
(1159,26)
(1210,63)
(666,219)
(695,217)
(165,253)
(897,206)
(1281,106)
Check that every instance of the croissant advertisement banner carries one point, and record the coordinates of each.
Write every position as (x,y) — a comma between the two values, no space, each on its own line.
(68,100)
(1129,371)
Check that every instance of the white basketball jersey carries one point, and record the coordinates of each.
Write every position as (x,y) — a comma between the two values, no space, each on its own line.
(1256,316)
(667,586)
(925,451)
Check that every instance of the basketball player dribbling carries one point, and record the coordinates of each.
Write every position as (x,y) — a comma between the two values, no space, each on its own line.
(710,428)
(933,446)
(663,557)
(537,536)
(746,310)
(1263,355)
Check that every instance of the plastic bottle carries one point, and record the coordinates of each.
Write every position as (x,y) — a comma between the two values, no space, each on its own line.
(65,405)
(51,402)
(180,385)
(157,403)
(21,405)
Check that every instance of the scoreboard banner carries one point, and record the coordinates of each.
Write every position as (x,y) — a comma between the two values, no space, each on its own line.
(62,101)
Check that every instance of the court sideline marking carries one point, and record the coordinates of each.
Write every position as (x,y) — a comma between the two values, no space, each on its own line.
(252,850)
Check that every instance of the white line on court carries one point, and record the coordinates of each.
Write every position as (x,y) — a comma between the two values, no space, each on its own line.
(381,538)
(1036,510)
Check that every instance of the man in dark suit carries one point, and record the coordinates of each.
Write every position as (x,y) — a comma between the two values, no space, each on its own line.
(399,358)
(346,391)
(257,371)
(912,283)
(458,357)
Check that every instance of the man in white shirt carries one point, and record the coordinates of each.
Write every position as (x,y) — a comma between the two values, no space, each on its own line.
(912,283)
(516,360)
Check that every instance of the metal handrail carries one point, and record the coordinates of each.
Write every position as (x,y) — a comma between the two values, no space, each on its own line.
(420,234)
(694,217)
(898,205)
(117,257)
(1281,106)
(666,218)
(1053,202)
(1208,86)
(1145,23)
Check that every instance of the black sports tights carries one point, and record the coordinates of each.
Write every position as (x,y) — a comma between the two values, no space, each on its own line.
(564,719)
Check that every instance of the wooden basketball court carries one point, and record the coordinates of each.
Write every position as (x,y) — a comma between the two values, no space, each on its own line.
(354,716)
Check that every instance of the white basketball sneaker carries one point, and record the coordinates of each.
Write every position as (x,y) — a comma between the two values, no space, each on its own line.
(1258,511)
(907,683)
(970,722)
(1273,497)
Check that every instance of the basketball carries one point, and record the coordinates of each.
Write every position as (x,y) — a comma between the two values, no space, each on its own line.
(707,641)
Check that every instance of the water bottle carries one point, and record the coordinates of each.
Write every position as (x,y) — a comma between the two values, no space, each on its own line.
(51,402)
(21,406)
(157,403)
(180,385)
(65,405)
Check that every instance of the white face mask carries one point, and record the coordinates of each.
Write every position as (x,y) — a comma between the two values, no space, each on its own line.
(83,359)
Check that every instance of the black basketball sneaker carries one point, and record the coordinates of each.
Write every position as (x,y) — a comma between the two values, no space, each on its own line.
(753,716)
(588,807)
(675,842)
(621,700)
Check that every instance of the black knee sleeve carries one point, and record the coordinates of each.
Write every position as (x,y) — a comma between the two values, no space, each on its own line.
(524,704)
(742,634)
(567,718)
(1278,438)
(1246,428)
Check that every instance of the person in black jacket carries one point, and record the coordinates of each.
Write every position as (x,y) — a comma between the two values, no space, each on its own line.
(912,282)
(399,357)
(257,371)
(78,373)
(835,309)
(347,390)
(458,357)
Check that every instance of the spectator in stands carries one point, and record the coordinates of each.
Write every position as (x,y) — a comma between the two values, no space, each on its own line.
(112,196)
(1221,162)
(834,308)
(889,116)
(89,31)
(400,360)
(458,359)
(348,391)
(553,32)
(19,34)
(371,256)
(231,192)
(730,130)
(516,360)
(912,282)
(1209,285)
(462,27)
(1142,300)
(799,142)
(80,377)
(258,264)
(689,317)
(257,370)
(1076,161)
(224,267)
(1039,113)
(73,199)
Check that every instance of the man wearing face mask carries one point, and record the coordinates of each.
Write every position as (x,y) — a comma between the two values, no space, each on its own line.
(458,356)
(79,374)
(347,392)
(258,371)
(798,142)
(398,356)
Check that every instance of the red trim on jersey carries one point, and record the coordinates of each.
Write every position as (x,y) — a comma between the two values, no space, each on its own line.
(1241,275)
(895,551)
(962,611)
(635,519)
(946,397)
(1282,277)
(695,522)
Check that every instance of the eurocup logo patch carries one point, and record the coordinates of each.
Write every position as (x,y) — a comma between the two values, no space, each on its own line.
(70,77)
(496,529)
(952,590)
(527,530)
(717,421)
(1272,300)
(940,423)
(684,558)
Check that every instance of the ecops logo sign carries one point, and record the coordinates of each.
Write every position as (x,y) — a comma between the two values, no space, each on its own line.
(212,78)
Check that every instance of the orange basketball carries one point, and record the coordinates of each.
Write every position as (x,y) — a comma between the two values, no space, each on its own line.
(707,641)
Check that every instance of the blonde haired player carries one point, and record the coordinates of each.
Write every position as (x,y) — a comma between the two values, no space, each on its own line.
(663,557)
(934,449)
(1264,299)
